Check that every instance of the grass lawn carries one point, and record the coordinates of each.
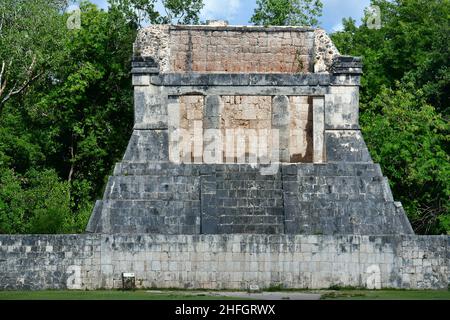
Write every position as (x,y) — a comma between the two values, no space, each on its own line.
(343,294)
(387,295)
(106,295)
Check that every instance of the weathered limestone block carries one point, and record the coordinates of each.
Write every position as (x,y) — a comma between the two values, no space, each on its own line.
(346,145)
(340,198)
(342,108)
(147,145)
(150,108)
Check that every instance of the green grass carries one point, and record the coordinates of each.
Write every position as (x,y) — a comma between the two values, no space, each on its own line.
(106,295)
(387,295)
(341,294)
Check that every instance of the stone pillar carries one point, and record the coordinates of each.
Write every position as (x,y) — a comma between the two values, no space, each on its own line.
(318,129)
(344,141)
(173,121)
(213,139)
(211,116)
(149,141)
(280,122)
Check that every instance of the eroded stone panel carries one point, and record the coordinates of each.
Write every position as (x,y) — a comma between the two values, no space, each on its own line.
(301,129)
(234,51)
(324,50)
(250,112)
(191,125)
(154,42)
(248,118)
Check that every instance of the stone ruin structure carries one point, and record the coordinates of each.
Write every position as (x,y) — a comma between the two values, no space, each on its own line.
(195,84)
(246,166)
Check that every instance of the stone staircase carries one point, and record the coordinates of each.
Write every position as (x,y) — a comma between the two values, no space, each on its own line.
(333,198)
(149,198)
(340,198)
(239,199)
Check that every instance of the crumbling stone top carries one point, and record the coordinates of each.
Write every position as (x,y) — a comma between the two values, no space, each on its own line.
(236,49)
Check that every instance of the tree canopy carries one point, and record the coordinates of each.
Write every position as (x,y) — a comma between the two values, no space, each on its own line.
(287,12)
(145,11)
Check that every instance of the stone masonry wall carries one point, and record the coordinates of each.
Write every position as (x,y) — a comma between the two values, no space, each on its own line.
(35,262)
(231,113)
(223,261)
(234,49)
(251,113)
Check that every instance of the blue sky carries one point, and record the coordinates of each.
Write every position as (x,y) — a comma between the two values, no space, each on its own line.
(238,12)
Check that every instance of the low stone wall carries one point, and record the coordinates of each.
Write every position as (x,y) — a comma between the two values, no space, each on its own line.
(34,262)
(223,261)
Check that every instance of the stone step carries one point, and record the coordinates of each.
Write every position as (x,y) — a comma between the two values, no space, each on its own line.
(255,229)
(247,193)
(246,183)
(163,168)
(333,169)
(251,219)
(301,169)
(339,188)
(254,211)
(182,188)
(359,217)
(248,203)
(156,168)
(165,217)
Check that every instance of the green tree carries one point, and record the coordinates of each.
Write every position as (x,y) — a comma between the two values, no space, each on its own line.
(37,202)
(411,141)
(12,203)
(182,11)
(86,117)
(48,202)
(287,12)
(145,11)
(31,42)
(68,127)
(413,42)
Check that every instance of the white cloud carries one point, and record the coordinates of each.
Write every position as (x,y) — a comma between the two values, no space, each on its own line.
(220,9)
(337,27)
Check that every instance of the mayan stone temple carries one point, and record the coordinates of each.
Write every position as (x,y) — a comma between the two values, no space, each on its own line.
(246,167)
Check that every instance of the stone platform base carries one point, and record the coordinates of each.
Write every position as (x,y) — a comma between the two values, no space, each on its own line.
(308,199)
(92,261)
